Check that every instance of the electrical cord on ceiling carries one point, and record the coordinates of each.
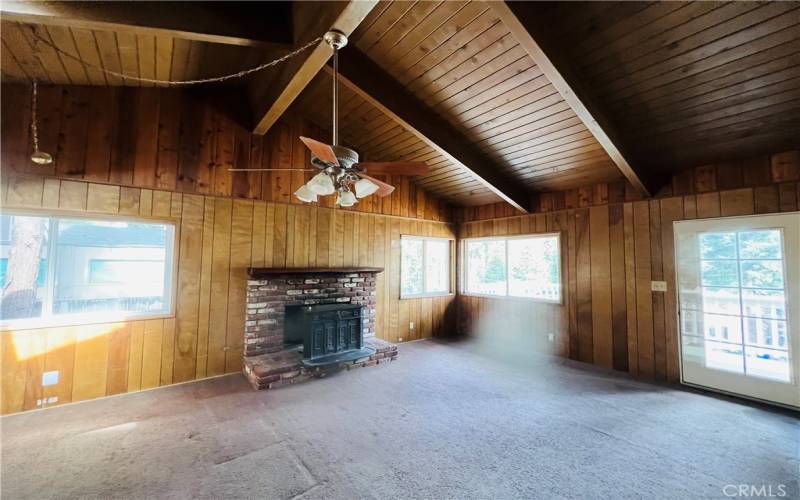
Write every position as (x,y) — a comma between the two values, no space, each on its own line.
(43,158)
(215,79)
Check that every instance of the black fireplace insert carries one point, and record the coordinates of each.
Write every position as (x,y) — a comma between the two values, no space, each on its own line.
(329,333)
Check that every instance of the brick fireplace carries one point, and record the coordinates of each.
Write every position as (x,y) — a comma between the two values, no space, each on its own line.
(268,361)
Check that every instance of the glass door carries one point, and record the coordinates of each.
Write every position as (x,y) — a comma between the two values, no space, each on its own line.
(739,305)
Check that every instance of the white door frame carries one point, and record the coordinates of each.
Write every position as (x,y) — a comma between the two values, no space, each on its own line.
(729,382)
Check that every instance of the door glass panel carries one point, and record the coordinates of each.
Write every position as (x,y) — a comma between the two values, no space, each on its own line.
(739,307)
(768,363)
(765,333)
(762,273)
(760,303)
(718,246)
(691,323)
(721,300)
(738,281)
(724,356)
(720,273)
(763,244)
(723,328)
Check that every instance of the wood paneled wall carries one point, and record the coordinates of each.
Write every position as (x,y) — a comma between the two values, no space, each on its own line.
(772,176)
(611,250)
(176,140)
(218,238)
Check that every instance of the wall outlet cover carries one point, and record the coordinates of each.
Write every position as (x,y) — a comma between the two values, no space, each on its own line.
(658,286)
(49,378)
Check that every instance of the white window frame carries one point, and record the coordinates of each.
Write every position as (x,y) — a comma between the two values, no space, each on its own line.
(424,239)
(465,267)
(47,319)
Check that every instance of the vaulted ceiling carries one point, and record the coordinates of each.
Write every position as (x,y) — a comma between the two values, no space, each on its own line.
(687,83)
(463,63)
(501,99)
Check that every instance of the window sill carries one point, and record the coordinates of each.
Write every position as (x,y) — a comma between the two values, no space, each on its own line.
(99,319)
(511,297)
(427,296)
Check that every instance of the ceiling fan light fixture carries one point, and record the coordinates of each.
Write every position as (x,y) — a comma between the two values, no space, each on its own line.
(346,198)
(305,194)
(321,184)
(365,187)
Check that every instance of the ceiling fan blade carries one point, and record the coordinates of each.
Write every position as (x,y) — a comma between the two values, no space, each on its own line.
(320,150)
(269,169)
(383,188)
(395,167)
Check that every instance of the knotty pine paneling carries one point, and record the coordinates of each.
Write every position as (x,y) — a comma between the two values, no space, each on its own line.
(613,245)
(217,239)
(176,140)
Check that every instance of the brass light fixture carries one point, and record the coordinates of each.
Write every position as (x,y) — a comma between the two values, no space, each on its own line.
(38,157)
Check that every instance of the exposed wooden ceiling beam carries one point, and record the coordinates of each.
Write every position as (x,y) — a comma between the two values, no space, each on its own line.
(373,84)
(256,24)
(521,19)
(272,93)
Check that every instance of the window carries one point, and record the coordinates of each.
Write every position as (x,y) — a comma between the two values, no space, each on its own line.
(425,268)
(520,266)
(739,307)
(63,269)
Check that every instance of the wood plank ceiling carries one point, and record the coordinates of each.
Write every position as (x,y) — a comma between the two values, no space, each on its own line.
(459,59)
(142,55)
(688,83)
(683,82)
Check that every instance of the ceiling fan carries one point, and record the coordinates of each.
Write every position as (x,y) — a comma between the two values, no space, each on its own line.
(340,170)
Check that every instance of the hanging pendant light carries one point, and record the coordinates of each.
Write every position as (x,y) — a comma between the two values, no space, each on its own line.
(306,194)
(346,198)
(365,187)
(321,184)
(38,157)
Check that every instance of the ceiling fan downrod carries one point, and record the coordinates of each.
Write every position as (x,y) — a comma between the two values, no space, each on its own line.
(336,39)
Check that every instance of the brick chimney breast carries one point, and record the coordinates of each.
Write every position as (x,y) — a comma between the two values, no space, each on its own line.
(270,290)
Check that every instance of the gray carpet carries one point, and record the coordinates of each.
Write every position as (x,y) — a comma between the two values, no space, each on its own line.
(447,420)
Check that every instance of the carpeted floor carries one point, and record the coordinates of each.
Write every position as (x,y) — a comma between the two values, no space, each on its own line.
(447,420)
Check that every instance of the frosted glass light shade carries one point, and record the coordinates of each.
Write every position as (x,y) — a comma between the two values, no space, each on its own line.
(321,184)
(365,187)
(305,194)
(346,199)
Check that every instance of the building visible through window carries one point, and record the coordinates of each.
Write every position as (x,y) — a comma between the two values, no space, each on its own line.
(69,268)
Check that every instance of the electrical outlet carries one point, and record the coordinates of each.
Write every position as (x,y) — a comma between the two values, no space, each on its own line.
(399,339)
(49,378)
(658,286)
(551,337)
(410,325)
